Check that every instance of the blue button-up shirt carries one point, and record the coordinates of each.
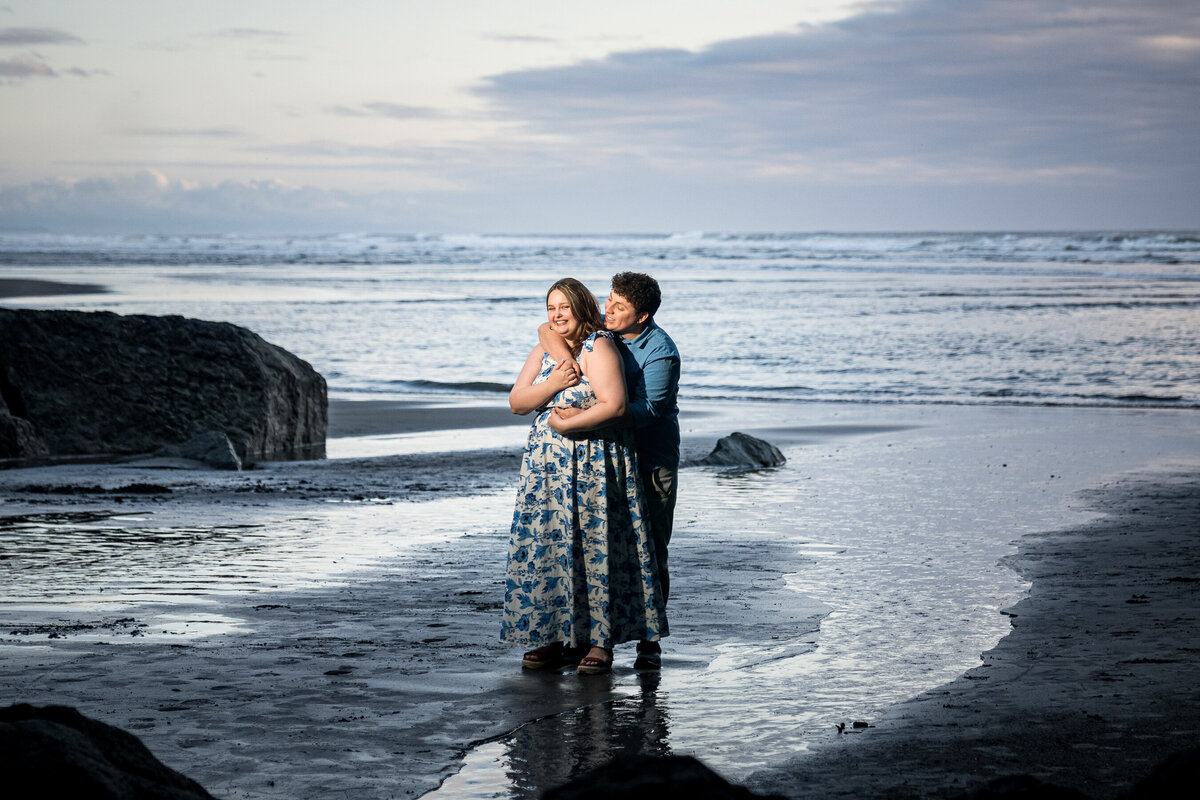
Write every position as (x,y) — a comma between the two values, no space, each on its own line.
(652,371)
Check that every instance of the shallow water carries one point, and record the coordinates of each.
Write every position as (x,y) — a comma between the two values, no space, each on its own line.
(892,541)
(90,568)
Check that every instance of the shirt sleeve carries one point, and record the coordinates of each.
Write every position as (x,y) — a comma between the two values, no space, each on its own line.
(661,375)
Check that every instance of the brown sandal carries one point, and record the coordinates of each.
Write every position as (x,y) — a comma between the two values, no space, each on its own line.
(596,665)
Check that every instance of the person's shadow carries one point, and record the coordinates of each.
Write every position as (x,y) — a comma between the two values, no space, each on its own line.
(554,750)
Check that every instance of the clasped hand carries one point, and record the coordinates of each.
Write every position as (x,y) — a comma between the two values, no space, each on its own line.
(565,374)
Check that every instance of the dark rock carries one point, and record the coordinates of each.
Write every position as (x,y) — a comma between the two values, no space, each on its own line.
(57,752)
(1024,787)
(651,778)
(742,450)
(17,438)
(1178,775)
(211,447)
(100,383)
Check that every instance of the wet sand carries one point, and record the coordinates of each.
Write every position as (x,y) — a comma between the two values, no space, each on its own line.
(366,663)
(31,287)
(1098,681)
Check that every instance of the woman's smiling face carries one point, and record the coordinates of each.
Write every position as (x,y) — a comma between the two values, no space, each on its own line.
(558,313)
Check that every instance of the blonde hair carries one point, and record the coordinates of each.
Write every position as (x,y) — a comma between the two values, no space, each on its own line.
(584,308)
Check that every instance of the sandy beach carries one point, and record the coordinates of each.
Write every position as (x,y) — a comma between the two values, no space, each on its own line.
(310,629)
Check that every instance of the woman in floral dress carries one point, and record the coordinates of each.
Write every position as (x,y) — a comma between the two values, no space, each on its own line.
(581,568)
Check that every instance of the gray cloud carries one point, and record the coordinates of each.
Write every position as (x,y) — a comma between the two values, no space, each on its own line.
(939,91)
(25,67)
(387,110)
(186,133)
(24,37)
(256,34)
(150,202)
(80,72)
(34,67)
(520,38)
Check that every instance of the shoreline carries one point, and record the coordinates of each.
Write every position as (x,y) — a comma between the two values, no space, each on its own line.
(1097,683)
(361,658)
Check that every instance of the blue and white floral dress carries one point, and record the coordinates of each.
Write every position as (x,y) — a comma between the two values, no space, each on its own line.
(581,567)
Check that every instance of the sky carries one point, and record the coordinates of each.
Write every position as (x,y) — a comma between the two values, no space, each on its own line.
(558,116)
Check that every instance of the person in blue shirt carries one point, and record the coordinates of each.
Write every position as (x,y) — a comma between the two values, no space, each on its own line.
(651,363)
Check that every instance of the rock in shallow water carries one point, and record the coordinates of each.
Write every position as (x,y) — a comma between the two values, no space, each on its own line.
(99,383)
(743,450)
(55,751)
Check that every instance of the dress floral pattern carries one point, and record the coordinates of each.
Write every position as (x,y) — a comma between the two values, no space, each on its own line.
(581,567)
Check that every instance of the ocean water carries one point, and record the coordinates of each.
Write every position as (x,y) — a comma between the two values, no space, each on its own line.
(1107,319)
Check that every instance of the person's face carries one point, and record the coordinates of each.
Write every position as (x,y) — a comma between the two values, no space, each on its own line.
(620,316)
(558,313)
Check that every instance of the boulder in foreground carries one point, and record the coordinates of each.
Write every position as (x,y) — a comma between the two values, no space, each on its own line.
(743,450)
(652,778)
(95,383)
(54,751)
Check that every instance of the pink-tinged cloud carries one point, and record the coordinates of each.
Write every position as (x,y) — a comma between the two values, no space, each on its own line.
(26,67)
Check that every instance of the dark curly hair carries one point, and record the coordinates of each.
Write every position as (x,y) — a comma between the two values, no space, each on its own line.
(639,289)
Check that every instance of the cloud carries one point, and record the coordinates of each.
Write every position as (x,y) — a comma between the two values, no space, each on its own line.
(186,133)
(34,65)
(520,38)
(24,37)
(80,72)
(151,202)
(256,34)
(942,91)
(23,67)
(388,110)
(26,67)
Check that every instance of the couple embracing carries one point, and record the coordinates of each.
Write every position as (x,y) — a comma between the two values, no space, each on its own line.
(587,559)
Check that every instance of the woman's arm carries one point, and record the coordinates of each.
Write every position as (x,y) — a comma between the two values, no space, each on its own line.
(526,396)
(603,367)
(556,346)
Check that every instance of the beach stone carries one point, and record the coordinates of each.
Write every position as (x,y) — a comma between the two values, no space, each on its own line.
(742,450)
(98,383)
(54,751)
(211,447)
(652,778)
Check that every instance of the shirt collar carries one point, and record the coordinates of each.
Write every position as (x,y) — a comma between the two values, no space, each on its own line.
(642,338)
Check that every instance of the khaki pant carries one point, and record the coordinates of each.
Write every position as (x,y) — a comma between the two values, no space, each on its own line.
(661,487)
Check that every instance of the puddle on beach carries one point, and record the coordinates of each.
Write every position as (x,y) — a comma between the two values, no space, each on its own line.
(403,444)
(77,574)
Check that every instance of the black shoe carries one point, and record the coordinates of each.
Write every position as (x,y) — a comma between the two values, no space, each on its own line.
(571,656)
(649,656)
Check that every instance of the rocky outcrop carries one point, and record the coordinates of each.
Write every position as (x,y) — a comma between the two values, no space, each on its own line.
(76,383)
(742,450)
(55,751)
(17,437)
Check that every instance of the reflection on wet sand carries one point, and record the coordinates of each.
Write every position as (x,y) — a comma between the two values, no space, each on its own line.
(553,750)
